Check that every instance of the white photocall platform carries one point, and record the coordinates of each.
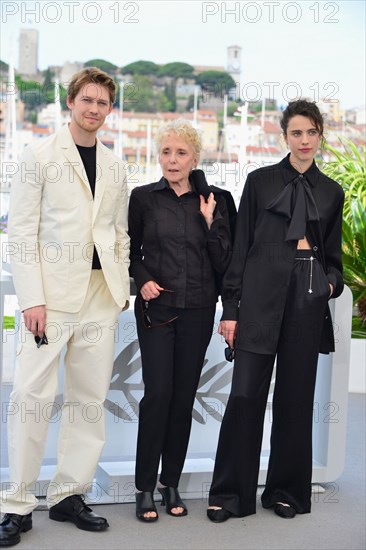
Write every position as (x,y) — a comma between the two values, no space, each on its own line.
(114,481)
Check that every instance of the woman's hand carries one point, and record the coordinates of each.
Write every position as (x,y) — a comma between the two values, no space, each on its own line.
(207,208)
(150,290)
(228,330)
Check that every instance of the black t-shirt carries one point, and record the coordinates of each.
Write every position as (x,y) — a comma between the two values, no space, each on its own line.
(89,158)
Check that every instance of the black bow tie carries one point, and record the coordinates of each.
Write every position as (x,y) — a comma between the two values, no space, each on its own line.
(296,203)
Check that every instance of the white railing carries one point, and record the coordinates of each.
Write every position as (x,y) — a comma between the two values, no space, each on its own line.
(114,478)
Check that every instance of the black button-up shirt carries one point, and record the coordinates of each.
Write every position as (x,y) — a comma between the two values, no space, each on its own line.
(172,245)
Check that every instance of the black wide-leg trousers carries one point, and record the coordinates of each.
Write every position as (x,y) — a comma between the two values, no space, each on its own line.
(172,358)
(235,476)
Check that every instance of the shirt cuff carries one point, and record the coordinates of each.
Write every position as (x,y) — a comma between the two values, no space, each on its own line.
(332,279)
(230,311)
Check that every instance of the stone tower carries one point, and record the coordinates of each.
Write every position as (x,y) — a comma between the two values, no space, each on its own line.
(28,52)
(233,65)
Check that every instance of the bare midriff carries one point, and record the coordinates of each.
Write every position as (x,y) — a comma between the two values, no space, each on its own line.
(303,244)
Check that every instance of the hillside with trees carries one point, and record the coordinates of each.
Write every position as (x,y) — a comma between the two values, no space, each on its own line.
(148,87)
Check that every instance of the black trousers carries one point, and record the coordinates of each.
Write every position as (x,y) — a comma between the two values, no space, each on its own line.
(235,476)
(172,358)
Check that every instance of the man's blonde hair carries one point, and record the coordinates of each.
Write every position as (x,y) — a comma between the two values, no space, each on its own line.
(91,75)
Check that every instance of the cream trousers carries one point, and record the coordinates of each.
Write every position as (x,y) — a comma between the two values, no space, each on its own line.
(89,339)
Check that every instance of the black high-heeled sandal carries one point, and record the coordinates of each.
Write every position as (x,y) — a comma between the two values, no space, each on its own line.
(171,499)
(144,504)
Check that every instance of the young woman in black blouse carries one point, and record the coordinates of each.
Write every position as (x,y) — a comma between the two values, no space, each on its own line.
(180,243)
(286,264)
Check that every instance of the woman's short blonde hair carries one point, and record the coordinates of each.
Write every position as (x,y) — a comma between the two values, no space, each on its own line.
(182,128)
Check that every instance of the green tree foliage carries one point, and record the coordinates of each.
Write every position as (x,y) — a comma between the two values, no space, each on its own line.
(141,67)
(256,106)
(36,95)
(232,107)
(31,93)
(216,82)
(349,169)
(171,95)
(102,64)
(63,96)
(32,117)
(48,86)
(140,96)
(176,70)
(190,102)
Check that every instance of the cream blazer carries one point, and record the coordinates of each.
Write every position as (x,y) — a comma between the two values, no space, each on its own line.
(54,223)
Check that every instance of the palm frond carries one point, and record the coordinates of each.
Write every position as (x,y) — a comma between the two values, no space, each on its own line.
(348,167)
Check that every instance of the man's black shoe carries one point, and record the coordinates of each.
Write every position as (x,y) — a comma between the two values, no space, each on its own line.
(11,527)
(74,509)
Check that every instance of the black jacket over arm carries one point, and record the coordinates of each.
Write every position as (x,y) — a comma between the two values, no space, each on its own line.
(172,245)
(262,261)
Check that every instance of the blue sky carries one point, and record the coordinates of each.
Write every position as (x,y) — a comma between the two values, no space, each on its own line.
(315,47)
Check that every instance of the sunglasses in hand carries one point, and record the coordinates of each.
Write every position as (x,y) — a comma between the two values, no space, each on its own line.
(229,353)
(41,340)
(146,314)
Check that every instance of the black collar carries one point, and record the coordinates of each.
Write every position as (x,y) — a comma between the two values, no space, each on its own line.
(160,185)
(164,184)
(289,172)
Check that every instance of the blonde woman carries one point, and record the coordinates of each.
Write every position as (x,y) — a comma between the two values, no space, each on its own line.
(180,241)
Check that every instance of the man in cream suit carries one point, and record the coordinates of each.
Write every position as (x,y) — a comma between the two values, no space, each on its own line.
(68,233)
